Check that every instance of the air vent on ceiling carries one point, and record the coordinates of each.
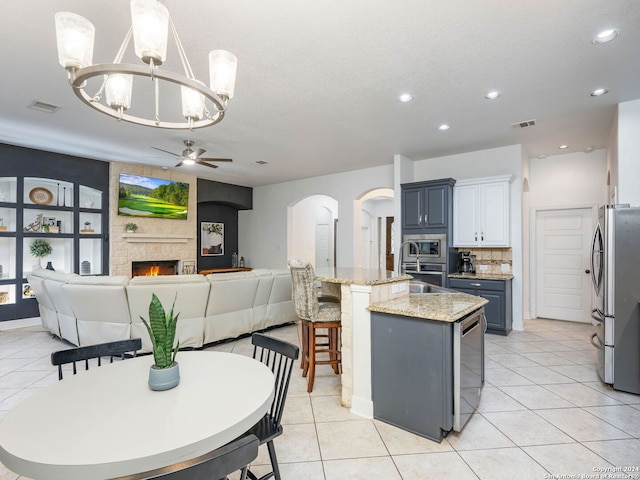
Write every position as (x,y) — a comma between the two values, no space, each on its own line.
(526,123)
(44,107)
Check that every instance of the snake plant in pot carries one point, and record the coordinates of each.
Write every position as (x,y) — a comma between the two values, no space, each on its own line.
(164,373)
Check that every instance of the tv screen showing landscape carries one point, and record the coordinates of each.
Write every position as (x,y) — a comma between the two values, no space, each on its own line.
(141,196)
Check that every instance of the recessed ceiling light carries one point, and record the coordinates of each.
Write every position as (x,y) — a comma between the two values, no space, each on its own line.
(589,149)
(606,35)
(405,97)
(492,95)
(261,162)
(599,91)
(444,127)
(563,147)
(542,156)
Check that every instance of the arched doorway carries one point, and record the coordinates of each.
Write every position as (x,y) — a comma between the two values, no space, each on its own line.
(374,240)
(311,230)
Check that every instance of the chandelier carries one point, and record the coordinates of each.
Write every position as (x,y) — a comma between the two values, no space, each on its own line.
(150,22)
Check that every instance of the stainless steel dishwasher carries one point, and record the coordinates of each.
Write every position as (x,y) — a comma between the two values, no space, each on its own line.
(468,368)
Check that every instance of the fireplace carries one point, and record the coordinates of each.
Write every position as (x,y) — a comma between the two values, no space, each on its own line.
(154,267)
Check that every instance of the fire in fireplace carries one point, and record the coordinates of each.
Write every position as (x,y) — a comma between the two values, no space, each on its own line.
(154,267)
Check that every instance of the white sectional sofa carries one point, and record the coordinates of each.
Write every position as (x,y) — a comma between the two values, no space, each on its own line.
(93,309)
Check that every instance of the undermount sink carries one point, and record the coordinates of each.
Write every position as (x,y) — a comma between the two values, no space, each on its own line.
(422,287)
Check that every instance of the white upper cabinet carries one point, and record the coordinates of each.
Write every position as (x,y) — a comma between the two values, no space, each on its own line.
(481,212)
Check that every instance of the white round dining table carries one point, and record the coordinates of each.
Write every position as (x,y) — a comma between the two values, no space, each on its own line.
(106,423)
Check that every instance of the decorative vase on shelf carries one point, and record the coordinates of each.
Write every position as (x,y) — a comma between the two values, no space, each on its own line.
(50,267)
(85,268)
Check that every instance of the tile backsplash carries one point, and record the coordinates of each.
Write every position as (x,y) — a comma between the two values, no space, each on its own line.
(493,258)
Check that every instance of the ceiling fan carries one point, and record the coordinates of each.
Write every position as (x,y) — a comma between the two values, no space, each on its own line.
(190,156)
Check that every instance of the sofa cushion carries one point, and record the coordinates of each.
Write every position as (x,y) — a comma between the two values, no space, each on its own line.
(101,311)
(48,315)
(191,302)
(66,318)
(117,280)
(280,308)
(164,279)
(230,308)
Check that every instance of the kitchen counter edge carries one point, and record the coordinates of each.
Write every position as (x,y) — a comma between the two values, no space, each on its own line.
(446,307)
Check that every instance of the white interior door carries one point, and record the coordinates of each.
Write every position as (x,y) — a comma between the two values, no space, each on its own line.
(323,240)
(563,288)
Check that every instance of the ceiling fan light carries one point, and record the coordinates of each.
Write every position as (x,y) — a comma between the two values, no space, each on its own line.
(192,104)
(222,72)
(74,35)
(188,161)
(118,91)
(150,24)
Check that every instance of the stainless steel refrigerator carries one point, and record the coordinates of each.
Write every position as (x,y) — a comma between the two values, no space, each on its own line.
(615,272)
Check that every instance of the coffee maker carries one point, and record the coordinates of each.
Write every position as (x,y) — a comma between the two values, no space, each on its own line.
(466,262)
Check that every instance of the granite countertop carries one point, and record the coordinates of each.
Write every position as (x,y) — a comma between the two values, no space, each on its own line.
(443,307)
(482,276)
(359,276)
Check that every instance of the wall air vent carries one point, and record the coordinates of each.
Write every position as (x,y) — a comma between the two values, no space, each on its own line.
(43,106)
(526,123)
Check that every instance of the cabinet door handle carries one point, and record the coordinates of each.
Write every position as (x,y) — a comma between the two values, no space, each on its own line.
(476,236)
(425,218)
(482,236)
(475,284)
(419,219)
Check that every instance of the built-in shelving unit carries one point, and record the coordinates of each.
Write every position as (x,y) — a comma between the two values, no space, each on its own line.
(71,216)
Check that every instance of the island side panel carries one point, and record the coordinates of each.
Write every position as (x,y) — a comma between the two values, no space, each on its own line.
(412,373)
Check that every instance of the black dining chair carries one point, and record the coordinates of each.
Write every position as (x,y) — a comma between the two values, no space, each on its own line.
(279,356)
(215,465)
(120,348)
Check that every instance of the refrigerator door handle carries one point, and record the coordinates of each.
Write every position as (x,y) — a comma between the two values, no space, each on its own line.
(594,341)
(594,280)
(597,315)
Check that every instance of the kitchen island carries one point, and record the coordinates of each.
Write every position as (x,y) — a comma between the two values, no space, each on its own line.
(359,288)
(427,353)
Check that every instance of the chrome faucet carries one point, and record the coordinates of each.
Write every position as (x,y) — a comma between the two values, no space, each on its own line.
(415,245)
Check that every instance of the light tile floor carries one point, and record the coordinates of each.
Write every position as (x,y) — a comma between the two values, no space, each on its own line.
(543,414)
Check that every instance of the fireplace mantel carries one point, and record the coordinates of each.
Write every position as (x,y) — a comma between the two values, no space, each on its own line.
(156,237)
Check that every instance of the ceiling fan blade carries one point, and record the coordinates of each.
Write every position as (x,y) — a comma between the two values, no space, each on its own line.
(199,152)
(200,162)
(217,159)
(166,151)
(179,164)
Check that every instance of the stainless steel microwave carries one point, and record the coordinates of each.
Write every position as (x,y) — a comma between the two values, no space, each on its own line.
(424,247)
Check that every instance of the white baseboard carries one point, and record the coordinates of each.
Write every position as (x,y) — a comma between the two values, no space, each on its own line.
(22,323)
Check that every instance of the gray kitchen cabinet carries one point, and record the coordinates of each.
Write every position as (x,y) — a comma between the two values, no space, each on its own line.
(498,292)
(427,206)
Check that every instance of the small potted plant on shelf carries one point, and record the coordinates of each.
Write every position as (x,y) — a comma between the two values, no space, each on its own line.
(40,248)
(131,227)
(164,374)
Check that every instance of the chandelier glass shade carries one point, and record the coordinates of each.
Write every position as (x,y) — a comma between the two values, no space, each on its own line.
(201,106)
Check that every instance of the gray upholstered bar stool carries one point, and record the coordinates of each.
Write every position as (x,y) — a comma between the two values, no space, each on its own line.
(315,315)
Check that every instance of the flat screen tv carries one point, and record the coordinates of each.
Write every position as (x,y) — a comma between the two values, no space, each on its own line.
(141,196)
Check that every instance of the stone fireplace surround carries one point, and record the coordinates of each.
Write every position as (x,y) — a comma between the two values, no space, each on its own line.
(156,238)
